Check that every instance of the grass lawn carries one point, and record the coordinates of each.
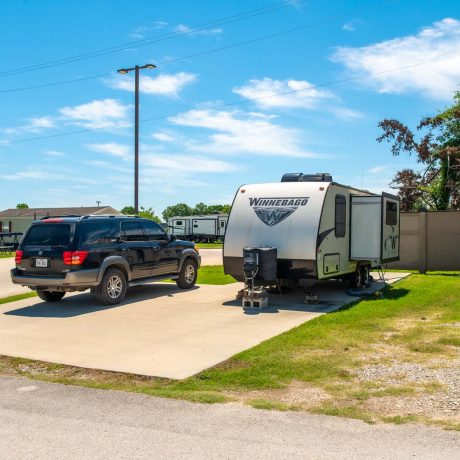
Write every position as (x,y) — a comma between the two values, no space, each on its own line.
(4,255)
(210,245)
(394,359)
(212,274)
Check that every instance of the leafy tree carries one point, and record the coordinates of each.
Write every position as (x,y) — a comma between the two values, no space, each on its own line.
(180,209)
(128,210)
(437,185)
(143,212)
(200,209)
(148,214)
(22,206)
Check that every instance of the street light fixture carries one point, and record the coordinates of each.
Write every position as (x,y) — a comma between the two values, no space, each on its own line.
(136,127)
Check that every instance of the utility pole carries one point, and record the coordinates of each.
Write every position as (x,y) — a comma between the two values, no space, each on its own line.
(98,203)
(136,128)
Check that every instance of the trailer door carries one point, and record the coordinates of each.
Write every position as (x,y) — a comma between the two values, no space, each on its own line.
(390,228)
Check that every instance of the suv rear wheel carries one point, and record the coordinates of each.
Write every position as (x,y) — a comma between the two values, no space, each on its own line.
(50,296)
(187,275)
(112,288)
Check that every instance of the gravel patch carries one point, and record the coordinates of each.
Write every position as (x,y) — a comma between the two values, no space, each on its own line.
(442,403)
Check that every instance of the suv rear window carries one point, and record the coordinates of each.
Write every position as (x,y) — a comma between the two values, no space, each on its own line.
(48,235)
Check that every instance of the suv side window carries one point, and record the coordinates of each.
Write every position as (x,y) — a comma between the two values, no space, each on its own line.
(91,232)
(132,231)
(153,231)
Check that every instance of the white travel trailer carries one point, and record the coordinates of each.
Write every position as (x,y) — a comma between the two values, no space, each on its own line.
(320,229)
(208,228)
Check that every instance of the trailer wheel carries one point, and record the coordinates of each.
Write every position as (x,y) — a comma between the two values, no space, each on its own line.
(355,279)
(365,275)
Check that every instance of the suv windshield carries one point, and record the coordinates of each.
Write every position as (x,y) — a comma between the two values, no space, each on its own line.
(48,235)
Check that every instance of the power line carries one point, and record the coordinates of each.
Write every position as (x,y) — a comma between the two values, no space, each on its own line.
(201,53)
(229,104)
(146,41)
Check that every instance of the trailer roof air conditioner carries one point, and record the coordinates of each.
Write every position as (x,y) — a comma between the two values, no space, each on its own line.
(300,177)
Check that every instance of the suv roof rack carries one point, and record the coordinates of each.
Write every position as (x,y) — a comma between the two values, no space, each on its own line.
(58,216)
(110,216)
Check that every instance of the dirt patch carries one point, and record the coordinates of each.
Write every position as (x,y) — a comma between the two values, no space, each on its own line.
(442,378)
(296,393)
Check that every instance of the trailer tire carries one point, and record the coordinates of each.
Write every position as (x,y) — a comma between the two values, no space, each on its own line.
(355,279)
(365,275)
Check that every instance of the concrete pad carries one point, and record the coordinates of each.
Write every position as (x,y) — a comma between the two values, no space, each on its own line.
(7,288)
(211,257)
(159,330)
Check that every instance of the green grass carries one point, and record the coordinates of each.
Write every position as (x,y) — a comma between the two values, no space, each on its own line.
(5,255)
(14,298)
(209,245)
(213,274)
(412,321)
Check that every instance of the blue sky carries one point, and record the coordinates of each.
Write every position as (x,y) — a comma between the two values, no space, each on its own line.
(197,146)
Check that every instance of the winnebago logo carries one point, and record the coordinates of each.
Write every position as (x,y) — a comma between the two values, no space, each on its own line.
(272,211)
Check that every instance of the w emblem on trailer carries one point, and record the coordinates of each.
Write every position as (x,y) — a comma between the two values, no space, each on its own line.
(272,211)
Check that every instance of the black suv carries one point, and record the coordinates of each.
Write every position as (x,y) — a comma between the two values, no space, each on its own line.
(103,253)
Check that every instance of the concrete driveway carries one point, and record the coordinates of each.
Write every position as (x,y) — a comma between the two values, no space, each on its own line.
(7,288)
(211,257)
(159,330)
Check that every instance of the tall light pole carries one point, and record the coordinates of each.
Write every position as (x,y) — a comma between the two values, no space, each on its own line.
(136,128)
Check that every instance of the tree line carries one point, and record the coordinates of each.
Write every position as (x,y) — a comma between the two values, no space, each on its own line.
(180,209)
(435,143)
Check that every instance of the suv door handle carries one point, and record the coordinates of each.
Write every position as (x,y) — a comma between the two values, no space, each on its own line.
(156,248)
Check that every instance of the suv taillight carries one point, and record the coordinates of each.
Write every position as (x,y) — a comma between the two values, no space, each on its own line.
(18,257)
(74,257)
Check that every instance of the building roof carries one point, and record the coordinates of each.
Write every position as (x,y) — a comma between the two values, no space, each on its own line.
(36,213)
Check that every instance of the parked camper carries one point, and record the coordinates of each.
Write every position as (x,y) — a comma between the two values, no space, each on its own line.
(320,229)
(199,228)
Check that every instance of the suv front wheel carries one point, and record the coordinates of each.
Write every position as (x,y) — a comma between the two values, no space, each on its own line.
(187,274)
(112,289)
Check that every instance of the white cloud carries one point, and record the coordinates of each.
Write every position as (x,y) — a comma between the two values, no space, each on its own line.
(97,114)
(188,164)
(183,29)
(139,33)
(160,24)
(304,94)
(239,132)
(344,113)
(169,85)
(437,79)
(377,169)
(29,174)
(111,148)
(54,153)
(348,27)
(34,125)
(163,136)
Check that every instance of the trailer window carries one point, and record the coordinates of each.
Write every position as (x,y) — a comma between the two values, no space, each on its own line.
(391,213)
(179,222)
(340,216)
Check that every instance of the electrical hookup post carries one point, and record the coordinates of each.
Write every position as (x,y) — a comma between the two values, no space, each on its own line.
(259,270)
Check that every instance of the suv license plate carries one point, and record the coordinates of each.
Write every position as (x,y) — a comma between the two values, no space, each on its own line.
(41,263)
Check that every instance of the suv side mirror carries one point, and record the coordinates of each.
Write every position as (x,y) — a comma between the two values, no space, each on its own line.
(172,237)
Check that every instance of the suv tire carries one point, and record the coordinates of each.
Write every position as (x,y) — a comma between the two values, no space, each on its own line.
(187,274)
(50,296)
(112,288)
